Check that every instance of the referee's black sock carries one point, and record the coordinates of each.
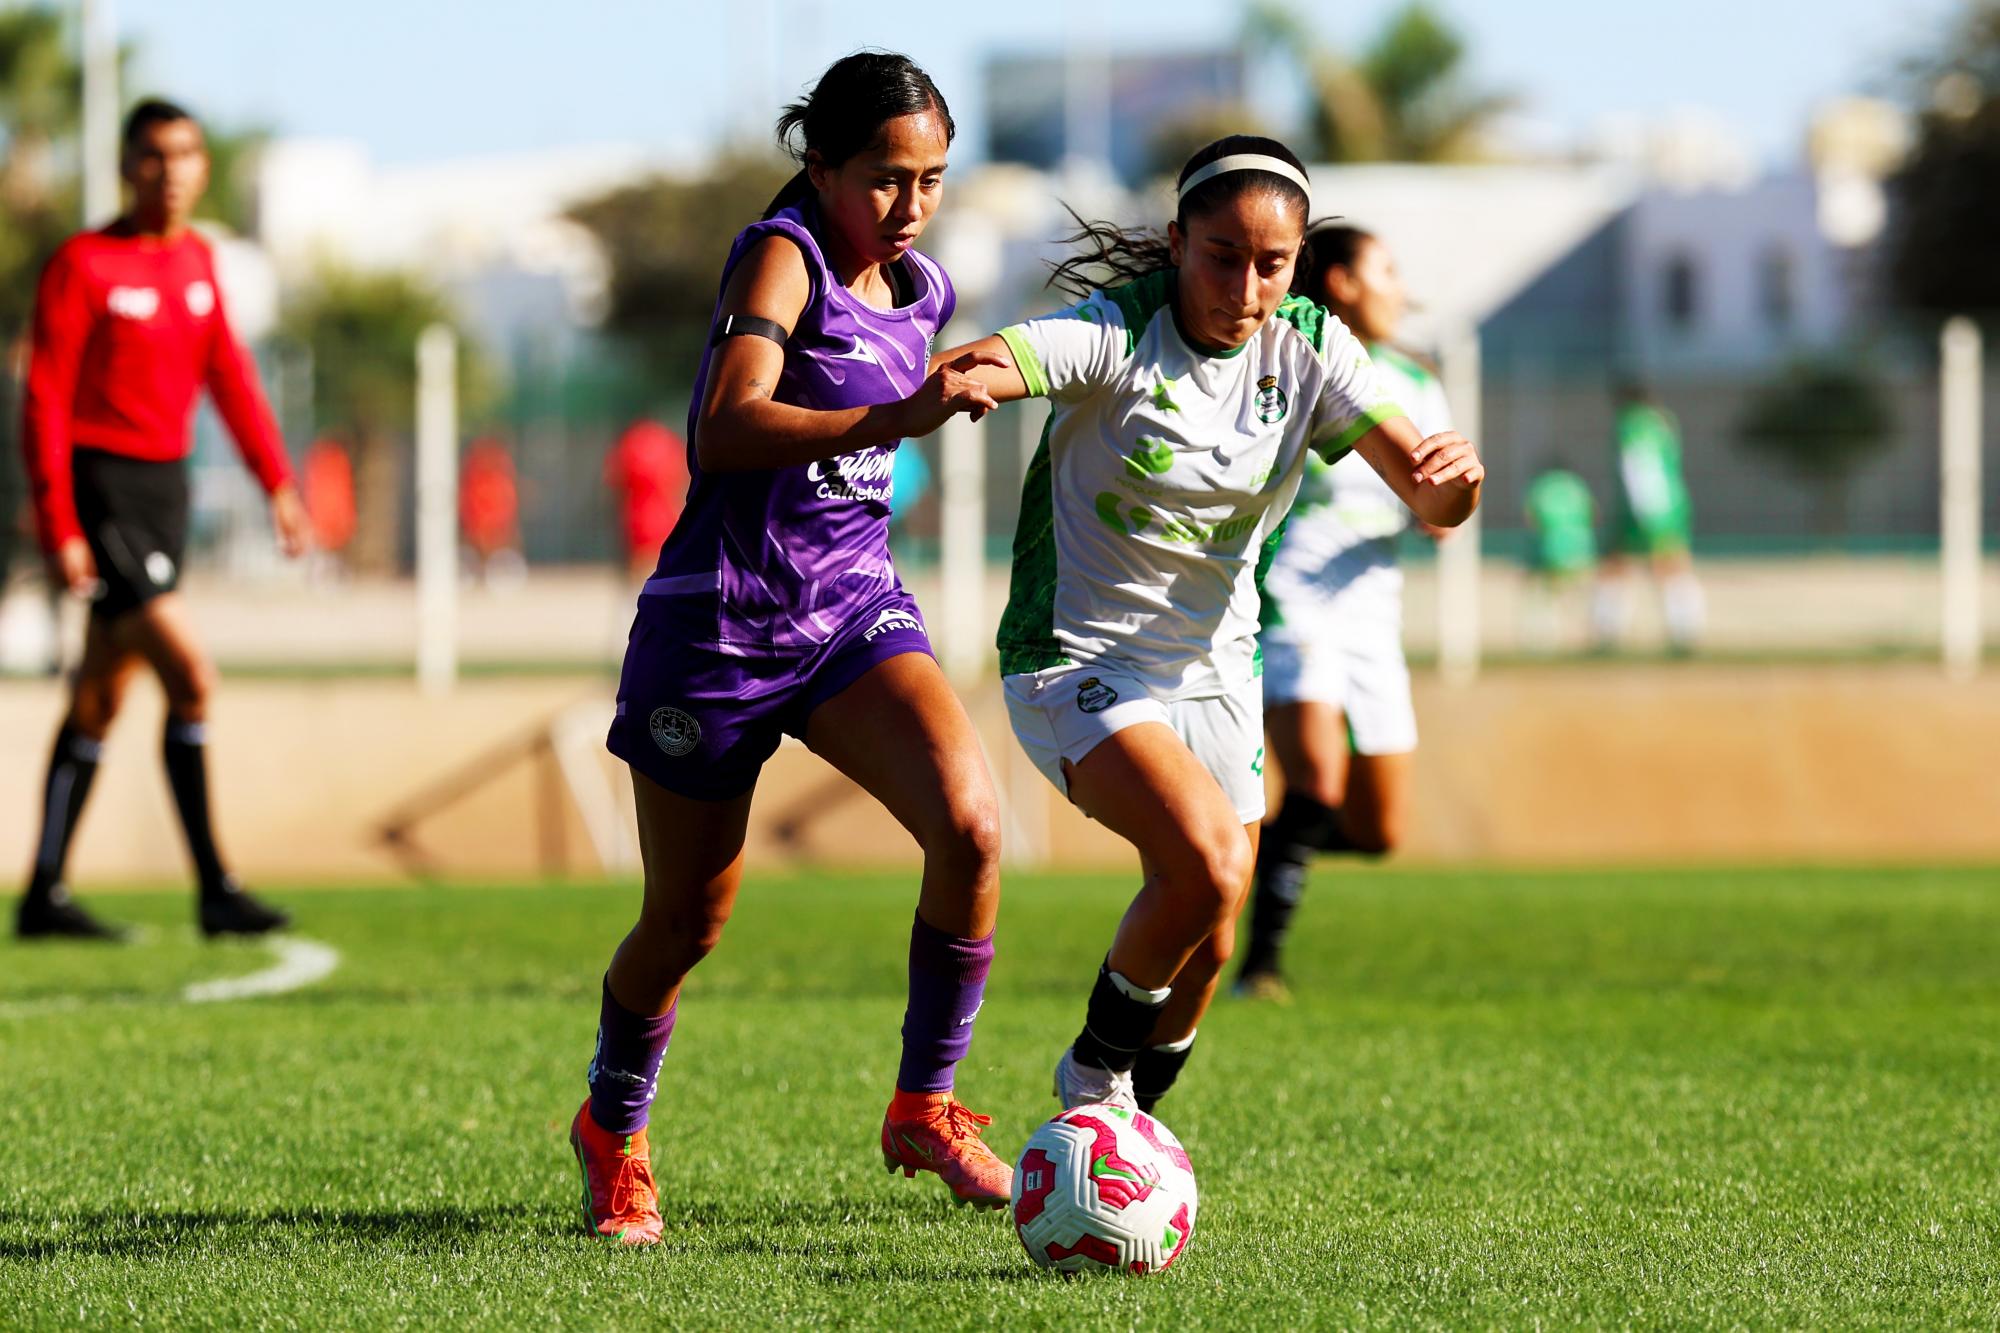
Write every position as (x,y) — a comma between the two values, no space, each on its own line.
(1120,1018)
(1302,827)
(185,752)
(72,768)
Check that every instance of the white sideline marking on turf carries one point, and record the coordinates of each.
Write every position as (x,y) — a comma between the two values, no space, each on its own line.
(300,963)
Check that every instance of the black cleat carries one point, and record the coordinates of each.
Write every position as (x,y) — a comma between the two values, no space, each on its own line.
(231,911)
(55,915)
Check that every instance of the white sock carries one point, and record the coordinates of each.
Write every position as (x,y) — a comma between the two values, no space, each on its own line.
(1608,607)
(1685,608)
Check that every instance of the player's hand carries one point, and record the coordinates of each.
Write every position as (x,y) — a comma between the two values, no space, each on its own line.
(76,567)
(951,389)
(289,520)
(1434,532)
(1447,460)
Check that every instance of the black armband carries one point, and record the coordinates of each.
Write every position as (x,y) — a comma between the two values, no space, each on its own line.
(731,326)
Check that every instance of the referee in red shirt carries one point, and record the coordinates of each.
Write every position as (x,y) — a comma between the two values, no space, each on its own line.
(129,325)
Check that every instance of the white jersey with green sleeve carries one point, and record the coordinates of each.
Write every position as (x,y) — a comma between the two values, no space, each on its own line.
(1163,477)
(1342,533)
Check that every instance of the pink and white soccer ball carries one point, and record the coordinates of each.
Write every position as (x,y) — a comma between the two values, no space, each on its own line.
(1104,1188)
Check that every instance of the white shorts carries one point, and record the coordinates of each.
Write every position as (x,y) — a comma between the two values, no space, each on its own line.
(1066,712)
(1355,665)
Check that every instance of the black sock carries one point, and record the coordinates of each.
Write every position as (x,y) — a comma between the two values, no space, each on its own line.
(72,768)
(185,751)
(1117,1023)
(1302,826)
(1156,1071)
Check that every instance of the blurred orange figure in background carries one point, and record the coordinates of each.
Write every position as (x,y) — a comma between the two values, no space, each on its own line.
(489,508)
(328,475)
(647,468)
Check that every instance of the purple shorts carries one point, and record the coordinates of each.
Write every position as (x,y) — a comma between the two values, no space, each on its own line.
(700,718)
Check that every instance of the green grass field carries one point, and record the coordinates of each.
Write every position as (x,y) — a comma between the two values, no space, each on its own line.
(1714,1098)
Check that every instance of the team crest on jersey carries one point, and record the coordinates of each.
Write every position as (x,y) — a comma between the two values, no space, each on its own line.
(200,299)
(1270,400)
(160,569)
(1094,696)
(133,302)
(674,731)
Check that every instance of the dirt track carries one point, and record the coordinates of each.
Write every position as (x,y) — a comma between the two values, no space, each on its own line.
(1529,765)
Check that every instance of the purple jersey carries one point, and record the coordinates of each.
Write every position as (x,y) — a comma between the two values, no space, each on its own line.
(794,553)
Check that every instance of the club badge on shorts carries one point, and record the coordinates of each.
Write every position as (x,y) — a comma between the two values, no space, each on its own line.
(674,731)
(1094,696)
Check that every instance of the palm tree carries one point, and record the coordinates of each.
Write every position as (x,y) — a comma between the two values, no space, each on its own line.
(1402,99)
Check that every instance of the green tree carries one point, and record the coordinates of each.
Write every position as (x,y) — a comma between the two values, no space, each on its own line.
(361,328)
(666,240)
(1820,419)
(1942,256)
(1402,98)
(40,87)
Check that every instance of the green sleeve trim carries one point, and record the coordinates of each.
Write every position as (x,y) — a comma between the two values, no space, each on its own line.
(1347,439)
(1026,361)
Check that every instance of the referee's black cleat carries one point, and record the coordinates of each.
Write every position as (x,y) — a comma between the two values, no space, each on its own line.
(231,911)
(56,916)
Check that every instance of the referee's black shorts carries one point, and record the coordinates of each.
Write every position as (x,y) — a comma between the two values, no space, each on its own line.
(134,514)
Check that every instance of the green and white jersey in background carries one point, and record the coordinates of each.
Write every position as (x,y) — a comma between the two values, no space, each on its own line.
(1653,511)
(1564,519)
(1163,474)
(1342,535)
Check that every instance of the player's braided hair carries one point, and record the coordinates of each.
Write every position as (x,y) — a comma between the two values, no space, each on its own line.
(1110,254)
(846,110)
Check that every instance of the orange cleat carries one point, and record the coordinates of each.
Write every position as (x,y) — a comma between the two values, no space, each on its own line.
(935,1132)
(619,1201)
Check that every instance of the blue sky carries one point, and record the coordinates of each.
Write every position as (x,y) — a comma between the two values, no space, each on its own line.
(419,80)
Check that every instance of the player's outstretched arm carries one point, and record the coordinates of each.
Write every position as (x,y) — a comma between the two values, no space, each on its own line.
(1438,476)
(989,362)
(742,429)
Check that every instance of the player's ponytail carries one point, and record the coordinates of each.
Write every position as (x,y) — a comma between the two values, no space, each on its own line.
(845,112)
(1219,174)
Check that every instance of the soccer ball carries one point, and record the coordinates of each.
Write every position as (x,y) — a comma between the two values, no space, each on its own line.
(1104,1188)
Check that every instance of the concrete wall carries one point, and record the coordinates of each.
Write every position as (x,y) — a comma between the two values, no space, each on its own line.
(1560,764)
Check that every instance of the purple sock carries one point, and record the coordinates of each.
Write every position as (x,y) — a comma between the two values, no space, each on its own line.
(626,1068)
(947,983)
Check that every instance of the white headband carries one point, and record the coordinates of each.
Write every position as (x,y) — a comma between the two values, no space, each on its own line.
(1277,166)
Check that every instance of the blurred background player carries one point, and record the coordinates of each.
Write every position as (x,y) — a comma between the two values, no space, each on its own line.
(129,325)
(776,609)
(1337,702)
(1184,397)
(328,475)
(1562,520)
(648,473)
(1652,516)
(489,514)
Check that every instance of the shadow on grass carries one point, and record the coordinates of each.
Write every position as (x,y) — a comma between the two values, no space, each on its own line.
(840,1234)
(158,1232)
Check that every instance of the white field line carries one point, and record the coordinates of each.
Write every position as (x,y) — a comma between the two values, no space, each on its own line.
(300,964)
